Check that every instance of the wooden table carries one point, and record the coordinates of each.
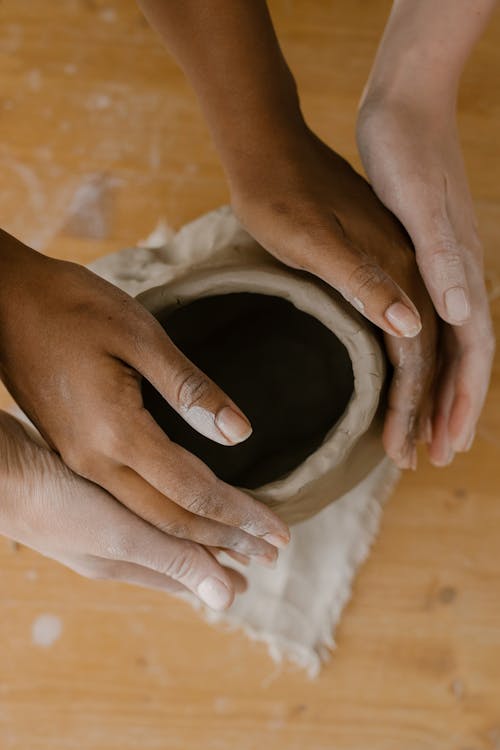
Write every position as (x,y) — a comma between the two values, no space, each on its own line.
(101,137)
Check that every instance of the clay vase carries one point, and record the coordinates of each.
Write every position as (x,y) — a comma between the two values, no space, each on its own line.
(306,369)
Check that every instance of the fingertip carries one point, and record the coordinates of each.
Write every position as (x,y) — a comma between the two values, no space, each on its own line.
(215,593)
(234,426)
(404,321)
(240,582)
(457,309)
(277,540)
(470,441)
(441,456)
(464,444)
(401,457)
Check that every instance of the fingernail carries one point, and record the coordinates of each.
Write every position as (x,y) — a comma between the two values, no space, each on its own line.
(243,559)
(413,459)
(442,462)
(403,320)
(214,593)
(470,441)
(457,305)
(276,540)
(264,560)
(234,427)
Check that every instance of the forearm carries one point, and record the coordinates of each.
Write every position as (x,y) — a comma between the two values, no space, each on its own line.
(231,56)
(425,47)
(15,260)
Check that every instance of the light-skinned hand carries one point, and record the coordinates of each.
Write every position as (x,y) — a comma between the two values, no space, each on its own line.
(412,156)
(315,213)
(49,508)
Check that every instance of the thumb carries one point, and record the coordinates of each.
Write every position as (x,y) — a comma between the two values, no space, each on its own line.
(193,395)
(366,285)
(441,263)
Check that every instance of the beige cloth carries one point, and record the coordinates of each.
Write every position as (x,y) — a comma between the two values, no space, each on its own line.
(295,607)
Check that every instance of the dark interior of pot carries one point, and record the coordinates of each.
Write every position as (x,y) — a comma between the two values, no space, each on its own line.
(288,373)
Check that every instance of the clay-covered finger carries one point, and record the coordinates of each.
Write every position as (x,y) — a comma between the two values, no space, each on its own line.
(169,517)
(198,400)
(408,395)
(183,478)
(367,287)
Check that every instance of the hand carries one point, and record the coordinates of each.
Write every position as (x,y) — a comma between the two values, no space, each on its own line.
(412,157)
(72,352)
(314,212)
(47,507)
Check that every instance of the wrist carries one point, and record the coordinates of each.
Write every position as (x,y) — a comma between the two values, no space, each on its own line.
(420,107)
(414,71)
(253,131)
(405,80)
(424,49)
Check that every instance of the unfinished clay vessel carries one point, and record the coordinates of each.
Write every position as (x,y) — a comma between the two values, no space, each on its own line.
(305,368)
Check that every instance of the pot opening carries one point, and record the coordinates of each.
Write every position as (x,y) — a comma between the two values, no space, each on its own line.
(288,373)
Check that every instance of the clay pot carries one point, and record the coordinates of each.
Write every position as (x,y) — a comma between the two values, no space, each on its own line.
(304,366)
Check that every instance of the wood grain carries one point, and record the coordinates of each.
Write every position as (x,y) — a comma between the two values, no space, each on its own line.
(100,137)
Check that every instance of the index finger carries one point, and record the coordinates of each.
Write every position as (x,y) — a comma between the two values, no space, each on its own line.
(182,477)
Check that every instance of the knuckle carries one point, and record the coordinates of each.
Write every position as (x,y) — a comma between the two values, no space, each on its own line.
(85,456)
(177,528)
(366,277)
(182,564)
(445,259)
(193,386)
(108,438)
(205,500)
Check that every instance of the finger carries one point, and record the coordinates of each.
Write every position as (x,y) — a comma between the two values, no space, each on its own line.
(367,287)
(424,433)
(185,562)
(182,477)
(408,394)
(147,503)
(125,572)
(441,451)
(198,400)
(116,570)
(219,555)
(441,262)
(471,386)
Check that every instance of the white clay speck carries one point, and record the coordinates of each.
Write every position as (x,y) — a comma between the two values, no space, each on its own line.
(46,630)
(356,302)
